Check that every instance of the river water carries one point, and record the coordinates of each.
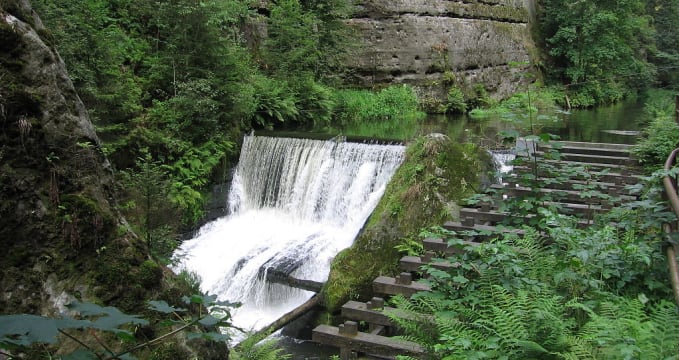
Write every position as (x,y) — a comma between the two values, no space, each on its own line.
(615,123)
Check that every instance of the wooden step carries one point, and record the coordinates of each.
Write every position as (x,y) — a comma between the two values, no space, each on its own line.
(495,217)
(415,263)
(610,188)
(586,144)
(599,159)
(590,166)
(360,311)
(349,341)
(384,285)
(617,178)
(479,228)
(560,195)
(444,247)
(588,149)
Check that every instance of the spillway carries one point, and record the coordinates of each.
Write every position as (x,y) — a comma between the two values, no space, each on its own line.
(293,205)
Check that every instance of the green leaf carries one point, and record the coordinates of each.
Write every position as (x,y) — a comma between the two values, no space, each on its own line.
(460,279)
(163,307)
(26,330)
(209,320)
(109,318)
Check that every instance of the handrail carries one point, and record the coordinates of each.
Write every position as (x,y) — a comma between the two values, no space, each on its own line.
(672,193)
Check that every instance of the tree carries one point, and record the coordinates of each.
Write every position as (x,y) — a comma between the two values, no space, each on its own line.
(666,19)
(598,48)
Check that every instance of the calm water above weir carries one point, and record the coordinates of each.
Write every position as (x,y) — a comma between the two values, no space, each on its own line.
(605,124)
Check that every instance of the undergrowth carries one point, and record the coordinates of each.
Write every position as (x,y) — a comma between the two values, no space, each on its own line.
(552,288)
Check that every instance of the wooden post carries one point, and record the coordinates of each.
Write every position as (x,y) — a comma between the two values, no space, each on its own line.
(676,109)
(405,278)
(376,303)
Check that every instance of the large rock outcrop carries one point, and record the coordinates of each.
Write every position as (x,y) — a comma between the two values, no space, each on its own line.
(60,233)
(441,43)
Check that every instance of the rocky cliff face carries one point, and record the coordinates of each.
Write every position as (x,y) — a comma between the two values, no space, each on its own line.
(436,44)
(59,232)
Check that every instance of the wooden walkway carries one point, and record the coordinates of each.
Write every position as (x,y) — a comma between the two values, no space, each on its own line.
(605,168)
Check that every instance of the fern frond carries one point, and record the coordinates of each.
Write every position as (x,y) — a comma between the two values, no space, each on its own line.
(253,348)
(663,337)
(579,348)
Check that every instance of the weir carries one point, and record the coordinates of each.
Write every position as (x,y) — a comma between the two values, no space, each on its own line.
(293,205)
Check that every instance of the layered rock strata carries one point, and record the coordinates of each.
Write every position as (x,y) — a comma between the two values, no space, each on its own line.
(438,44)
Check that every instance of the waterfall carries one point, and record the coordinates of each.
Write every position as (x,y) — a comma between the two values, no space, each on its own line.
(503,162)
(293,205)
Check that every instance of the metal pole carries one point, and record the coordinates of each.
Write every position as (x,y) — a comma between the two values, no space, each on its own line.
(676,109)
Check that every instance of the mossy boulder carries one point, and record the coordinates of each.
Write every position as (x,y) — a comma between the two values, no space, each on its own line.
(436,174)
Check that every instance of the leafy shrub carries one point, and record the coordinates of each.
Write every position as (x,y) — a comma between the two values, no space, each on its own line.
(559,291)
(658,140)
(19,332)
(363,106)
(456,102)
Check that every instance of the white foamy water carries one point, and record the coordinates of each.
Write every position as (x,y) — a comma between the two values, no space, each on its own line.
(294,204)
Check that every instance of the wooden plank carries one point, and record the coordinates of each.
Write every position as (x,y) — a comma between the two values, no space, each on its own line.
(496,217)
(387,286)
(354,310)
(441,246)
(589,149)
(415,263)
(366,343)
(585,144)
(574,196)
(491,216)
(567,184)
(480,228)
(287,318)
(615,177)
(595,167)
(359,311)
(599,159)
(572,201)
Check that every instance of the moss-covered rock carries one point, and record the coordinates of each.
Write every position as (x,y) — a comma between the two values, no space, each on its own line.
(437,173)
(61,234)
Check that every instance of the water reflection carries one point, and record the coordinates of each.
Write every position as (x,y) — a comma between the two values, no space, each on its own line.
(602,124)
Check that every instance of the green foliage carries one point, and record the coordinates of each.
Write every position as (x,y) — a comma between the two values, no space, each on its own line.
(557,290)
(598,48)
(659,138)
(274,102)
(19,332)
(666,56)
(456,101)
(307,37)
(505,300)
(259,348)
(364,106)
(175,81)
(434,169)
(150,186)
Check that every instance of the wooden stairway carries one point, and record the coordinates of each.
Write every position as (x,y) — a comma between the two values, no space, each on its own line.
(609,168)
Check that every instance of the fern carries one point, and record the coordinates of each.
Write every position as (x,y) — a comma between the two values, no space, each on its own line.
(255,348)
(664,332)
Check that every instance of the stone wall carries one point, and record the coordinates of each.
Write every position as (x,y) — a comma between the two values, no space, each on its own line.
(438,44)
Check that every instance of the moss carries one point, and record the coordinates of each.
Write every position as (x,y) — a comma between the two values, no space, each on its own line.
(84,223)
(435,173)
(168,351)
(149,274)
